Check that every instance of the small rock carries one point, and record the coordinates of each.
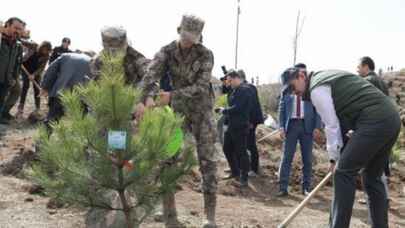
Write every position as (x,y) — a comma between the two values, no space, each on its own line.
(179,187)
(158,217)
(194,213)
(35,189)
(54,204)
(32,189)
(52,212)
(29,199)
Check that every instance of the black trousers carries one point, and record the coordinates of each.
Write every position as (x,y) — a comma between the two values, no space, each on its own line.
(26,86)
(235,149)
(56,111)
(368,149)
(252,147)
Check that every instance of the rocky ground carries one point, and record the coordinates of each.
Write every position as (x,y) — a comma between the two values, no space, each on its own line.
(23,205)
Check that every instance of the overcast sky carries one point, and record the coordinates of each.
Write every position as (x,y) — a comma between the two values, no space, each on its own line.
(336,33)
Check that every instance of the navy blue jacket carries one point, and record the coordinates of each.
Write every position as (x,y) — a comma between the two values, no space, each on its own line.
(238,112)
(65,72)
(311,118)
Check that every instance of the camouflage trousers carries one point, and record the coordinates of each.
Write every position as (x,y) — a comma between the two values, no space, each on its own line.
(200,131)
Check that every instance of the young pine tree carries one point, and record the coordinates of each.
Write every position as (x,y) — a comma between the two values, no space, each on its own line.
(78,165)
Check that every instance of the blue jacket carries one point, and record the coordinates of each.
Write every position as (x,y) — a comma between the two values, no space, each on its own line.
(311,118)
(65,72)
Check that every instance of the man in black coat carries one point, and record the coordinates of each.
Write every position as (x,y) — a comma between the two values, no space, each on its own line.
(256,118)
(238,119)
(58,51)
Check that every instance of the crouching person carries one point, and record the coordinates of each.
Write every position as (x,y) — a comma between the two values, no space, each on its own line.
(65,72)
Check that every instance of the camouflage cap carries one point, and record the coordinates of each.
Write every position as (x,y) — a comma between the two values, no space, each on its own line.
(191,28)
(114,36)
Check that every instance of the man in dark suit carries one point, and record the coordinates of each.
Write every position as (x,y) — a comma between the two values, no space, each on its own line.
(235,141)
(255,118)
(299,122)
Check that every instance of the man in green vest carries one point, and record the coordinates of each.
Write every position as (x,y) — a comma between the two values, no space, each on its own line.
(346,101)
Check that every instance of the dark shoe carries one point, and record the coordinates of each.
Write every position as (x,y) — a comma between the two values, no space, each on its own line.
(8,116)
(282,194)
(244,181)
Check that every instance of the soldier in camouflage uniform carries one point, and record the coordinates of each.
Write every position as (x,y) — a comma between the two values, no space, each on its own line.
(114,41)
(190,65)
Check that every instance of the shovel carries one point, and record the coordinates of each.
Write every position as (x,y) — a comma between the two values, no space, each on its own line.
(301,206)
(33,81)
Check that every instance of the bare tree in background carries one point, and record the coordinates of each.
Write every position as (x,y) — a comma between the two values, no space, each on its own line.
(298,30)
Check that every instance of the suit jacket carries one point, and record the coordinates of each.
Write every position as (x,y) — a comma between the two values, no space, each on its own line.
(238,112)
(256,113)
(311,118)
(65,72)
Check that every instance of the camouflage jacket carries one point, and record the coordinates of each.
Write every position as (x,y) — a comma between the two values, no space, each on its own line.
(135,65)
(190,77)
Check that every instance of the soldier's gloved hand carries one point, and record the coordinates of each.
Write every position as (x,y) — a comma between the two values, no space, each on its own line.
(141,107)
(149,102)
(139,111)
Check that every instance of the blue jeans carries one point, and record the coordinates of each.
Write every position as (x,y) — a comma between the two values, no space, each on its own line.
(296,133)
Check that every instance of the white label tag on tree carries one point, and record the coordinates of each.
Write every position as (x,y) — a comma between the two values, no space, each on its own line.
(117,140)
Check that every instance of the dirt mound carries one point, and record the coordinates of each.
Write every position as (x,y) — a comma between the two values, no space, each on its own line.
(396,84)
(17,163)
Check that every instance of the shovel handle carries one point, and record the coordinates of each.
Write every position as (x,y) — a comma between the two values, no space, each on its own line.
(33,81)
(301,206)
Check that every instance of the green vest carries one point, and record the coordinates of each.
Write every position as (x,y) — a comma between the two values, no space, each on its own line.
(354,98)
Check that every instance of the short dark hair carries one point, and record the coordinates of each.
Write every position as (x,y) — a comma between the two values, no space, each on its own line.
(242,74)
(66,39)
(301,66)
(11,20)
(368,61)
(233,74)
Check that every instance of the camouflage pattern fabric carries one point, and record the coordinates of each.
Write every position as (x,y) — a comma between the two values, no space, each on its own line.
(135,66)
(192,97)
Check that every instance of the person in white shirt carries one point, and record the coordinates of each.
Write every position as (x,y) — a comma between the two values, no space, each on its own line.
(348,102)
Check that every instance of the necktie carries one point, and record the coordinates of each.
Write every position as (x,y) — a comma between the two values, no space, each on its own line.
(298,106)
